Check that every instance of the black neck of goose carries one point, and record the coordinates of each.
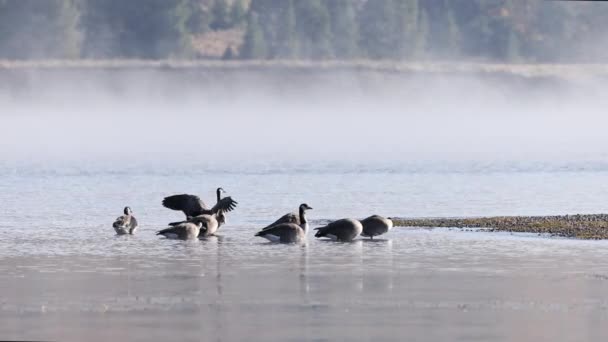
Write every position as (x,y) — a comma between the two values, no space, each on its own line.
(219,194)
(302,216)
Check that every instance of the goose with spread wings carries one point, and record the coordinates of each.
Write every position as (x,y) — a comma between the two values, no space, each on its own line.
(193,206)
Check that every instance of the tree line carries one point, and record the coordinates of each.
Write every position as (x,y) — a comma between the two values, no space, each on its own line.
(485,30)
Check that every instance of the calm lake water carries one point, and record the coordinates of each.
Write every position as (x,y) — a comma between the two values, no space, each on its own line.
(64,275)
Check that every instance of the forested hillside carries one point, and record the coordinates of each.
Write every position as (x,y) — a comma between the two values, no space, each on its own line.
(478,30)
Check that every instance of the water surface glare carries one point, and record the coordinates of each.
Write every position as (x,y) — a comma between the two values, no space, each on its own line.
(64,275)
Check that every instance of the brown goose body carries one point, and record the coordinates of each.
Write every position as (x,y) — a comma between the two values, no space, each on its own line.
(376,225)
(341,230)
(296,218)
(210,224)
(125,224)
(183,231)
(284,233)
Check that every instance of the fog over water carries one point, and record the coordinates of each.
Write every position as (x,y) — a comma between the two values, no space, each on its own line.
(77,146)
(351,117)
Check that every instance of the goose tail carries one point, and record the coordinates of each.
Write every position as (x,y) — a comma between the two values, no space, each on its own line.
(320,232)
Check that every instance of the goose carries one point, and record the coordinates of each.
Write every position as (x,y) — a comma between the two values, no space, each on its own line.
(183,231)
(125,224)
(376,225)
(192,205)
(341,230)
(210,223)
(299,219)
(284,232)
(219,219)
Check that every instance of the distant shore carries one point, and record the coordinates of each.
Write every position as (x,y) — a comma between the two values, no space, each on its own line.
(590,226)
(566,71)
(293,78)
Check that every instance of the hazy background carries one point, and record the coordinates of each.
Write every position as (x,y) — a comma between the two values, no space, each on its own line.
(364,82)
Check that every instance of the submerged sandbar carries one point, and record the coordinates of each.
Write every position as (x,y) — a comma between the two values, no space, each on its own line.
(588,226)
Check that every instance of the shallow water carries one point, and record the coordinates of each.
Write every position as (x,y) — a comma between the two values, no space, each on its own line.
(64,275)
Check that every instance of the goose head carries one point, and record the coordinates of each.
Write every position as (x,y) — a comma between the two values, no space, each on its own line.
(219,193)
(305,207)
(128,211)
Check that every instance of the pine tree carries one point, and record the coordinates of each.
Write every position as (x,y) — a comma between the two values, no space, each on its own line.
(286,44)
(136,28)
(423,36)
(407,27)
(513,54)
(199,18)
(268,14)
(344,31)
(313,29)
(453,32)
(238,13)
(474,29)
(31,29)
(254,45)
(550,23)
(378,29)
(441,26)
(220,14)
(69,42)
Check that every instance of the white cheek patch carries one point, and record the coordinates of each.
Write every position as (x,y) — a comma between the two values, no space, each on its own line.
(332,236)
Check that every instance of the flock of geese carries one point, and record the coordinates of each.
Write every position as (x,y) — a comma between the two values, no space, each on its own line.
(202,221)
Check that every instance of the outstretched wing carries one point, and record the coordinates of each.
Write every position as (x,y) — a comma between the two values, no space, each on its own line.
(287,218)
(191,205)
(225,204)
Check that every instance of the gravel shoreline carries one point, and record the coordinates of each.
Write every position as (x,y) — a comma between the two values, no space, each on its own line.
(589,226)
